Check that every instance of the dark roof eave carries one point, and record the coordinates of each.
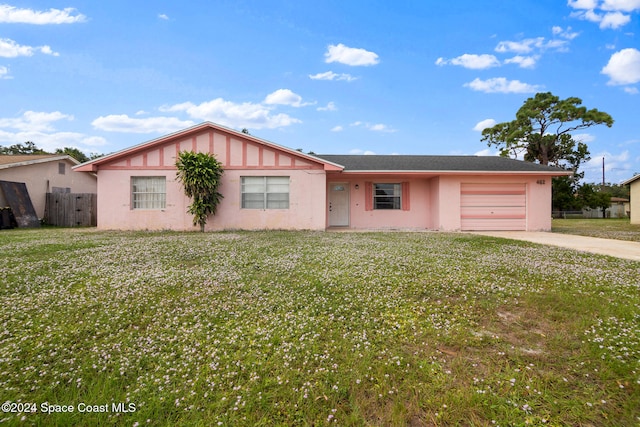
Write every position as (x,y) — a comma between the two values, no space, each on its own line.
(455,172)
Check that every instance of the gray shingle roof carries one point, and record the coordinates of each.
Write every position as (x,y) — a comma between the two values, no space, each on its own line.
(354,163)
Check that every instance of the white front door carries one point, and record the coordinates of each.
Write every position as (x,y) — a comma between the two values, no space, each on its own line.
(338,204)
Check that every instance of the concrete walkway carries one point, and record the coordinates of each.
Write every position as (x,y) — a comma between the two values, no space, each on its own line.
(614,248)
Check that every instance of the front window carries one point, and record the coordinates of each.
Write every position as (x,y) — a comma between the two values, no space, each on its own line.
(148,192)
(265,192)
(387,196)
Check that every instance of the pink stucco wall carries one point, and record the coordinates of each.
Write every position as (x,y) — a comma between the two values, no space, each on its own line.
(434,197)
(418,216)
(240,157)
(435,201)
(306,207)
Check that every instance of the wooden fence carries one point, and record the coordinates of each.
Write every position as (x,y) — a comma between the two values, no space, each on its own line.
(71,209)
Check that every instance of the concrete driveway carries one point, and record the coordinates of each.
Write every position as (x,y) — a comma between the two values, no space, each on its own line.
(614,248)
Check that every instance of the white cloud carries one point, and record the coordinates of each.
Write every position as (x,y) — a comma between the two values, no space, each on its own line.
(47,51)
(331,106)
(631,90)
(375,127)
(610,14)
(39,127)
(529,45)
(624,5)
(524,46)
(51,141)
(471,61)
(12,14)
(350,56)
(487,152)
(163,17)
(34,121)
(362,152)
(617,167)
(482,125)
(522,61)
(285,97)
(584,137)
(4,73)
(623,67)
(330,75)
(614,20)
(337,129)
(583,4)
(379,127)
(124,123)
(227,113)
(501,85)
(564,33)
(11,49)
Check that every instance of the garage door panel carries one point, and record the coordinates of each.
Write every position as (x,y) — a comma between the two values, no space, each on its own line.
(493,212)
(494,224)
(494,200)
(493,207)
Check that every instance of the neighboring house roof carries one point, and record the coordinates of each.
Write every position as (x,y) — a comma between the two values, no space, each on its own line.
(632,179)
(619,200)
(14,160)
(408,163)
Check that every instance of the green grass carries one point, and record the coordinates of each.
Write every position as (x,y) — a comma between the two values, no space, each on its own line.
(314,328)
(613,228)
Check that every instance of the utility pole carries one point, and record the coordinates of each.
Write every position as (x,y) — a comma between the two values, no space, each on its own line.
(603,183)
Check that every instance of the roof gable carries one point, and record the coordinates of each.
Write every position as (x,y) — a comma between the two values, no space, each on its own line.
(631,180)
(235,150)
(16,160)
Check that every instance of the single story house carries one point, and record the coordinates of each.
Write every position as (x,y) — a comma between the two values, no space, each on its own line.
(617,209)
(634,198)
(42,174)
(268,186)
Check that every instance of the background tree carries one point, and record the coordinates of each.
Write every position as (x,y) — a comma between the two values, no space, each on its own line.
(563,195)
(31,148)
(594,198)
(73,152)
(26,148)
(615,190)
(541,133)
(200,174)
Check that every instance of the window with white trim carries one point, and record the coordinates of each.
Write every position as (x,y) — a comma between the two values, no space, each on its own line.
(148,192)
(387,196)
(265,192)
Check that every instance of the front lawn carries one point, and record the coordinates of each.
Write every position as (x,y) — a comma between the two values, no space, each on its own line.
(611,228)
(314,328)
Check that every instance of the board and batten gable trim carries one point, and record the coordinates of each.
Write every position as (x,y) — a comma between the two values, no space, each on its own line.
(118,159)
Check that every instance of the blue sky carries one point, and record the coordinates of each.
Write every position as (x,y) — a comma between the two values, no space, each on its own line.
(332,76)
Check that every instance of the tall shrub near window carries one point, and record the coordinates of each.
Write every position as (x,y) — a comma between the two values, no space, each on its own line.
(200,174)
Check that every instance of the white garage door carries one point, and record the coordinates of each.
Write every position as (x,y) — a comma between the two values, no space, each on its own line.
(493,207)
